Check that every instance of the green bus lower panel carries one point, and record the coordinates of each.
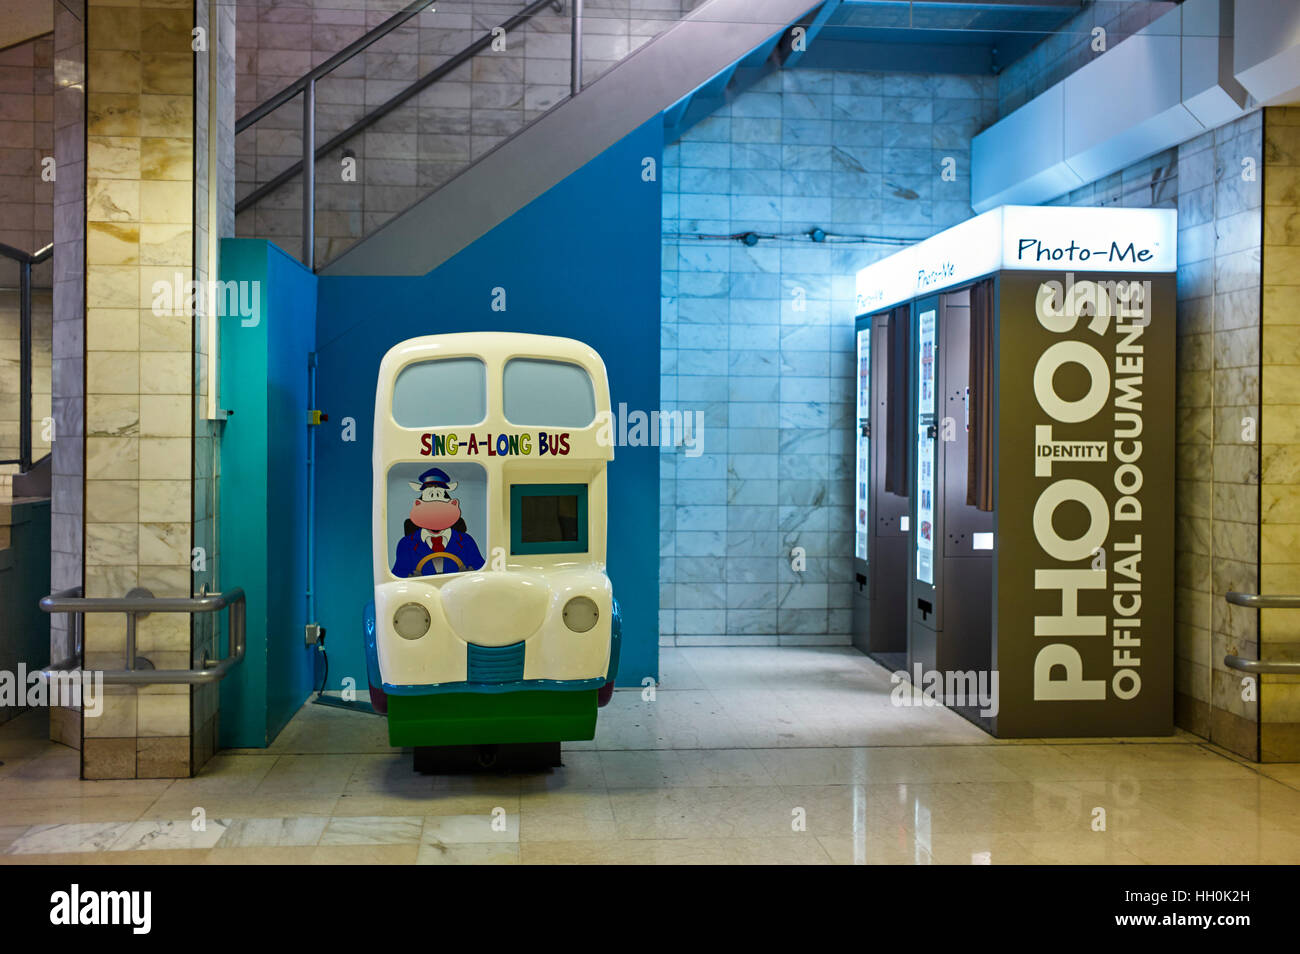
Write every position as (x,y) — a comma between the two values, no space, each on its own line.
(470,718)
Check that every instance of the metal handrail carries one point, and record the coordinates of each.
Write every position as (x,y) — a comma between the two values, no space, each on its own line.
(141,602)
(306,85)
(25,262)
(1262,601)
(334,62)
(31,258)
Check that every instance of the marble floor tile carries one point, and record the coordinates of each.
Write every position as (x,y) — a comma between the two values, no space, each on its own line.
(258,855)
(404,854)
(69,810)
(241,805)
(588,825)
(11,833)
(497,828)
(372,830)
(73,838)
(309,774)
(679,851)
(755,755)
(1288,774)
(442,853)
(426,803)
(178,856)
(168,835)
(273,832)
(581,772)
(227,773)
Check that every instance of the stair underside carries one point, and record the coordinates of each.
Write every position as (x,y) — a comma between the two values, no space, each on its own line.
(654,78)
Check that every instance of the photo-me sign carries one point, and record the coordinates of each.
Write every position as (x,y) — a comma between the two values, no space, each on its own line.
(1040,365)
(1015,237)
(1085,474)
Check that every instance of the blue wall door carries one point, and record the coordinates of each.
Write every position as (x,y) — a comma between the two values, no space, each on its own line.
(581,261)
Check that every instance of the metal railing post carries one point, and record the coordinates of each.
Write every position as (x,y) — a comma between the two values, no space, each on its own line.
(130,642)
(1262,601)
(379,112)
(309,174)
(575,48)
(25,365)
(136,604)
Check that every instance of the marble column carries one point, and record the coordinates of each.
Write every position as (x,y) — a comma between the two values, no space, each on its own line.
(140,93)
(67,538)
(1279,552)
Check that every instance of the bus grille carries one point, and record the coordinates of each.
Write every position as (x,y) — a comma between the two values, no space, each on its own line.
(496,663)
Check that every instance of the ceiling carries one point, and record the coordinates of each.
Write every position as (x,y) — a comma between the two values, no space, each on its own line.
(941,36)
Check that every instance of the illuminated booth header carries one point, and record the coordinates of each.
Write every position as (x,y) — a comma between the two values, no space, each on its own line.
(1014,480)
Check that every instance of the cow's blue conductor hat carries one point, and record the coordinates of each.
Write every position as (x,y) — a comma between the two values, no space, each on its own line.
(434,477)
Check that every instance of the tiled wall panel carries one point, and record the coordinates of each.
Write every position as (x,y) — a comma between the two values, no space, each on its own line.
(67,538)
(26,223)
(759,338)
(1279,570)
(428,140)
(139,369)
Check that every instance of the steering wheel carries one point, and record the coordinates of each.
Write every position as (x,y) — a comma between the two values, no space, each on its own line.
(442,567)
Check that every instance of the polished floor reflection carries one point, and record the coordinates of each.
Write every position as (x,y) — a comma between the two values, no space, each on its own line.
(742,756)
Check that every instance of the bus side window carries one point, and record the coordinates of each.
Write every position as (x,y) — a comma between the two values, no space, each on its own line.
(547,393)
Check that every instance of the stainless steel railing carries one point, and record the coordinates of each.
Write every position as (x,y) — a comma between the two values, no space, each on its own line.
(25,262)
(306,85)
(139,603)
(1262,601)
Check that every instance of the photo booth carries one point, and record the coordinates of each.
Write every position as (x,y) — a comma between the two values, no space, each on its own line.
(1015,469)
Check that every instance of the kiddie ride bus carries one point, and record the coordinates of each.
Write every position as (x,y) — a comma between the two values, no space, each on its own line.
(494,633)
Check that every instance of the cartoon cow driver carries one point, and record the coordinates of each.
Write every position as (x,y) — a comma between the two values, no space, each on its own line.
(436,541)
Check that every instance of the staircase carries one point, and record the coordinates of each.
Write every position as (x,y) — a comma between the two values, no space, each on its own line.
(459,184)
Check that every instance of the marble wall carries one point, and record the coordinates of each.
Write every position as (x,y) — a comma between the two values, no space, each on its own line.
(759,339)
(26,138)
(10,379)
(1279,549)
(67,537)
(27,224)
(215,181)
(139,368)
(424,143)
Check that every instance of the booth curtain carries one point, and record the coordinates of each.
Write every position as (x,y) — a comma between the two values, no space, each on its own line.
(898,431)
(979,457)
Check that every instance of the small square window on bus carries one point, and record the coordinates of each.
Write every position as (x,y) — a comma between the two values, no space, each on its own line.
(548,518)
(547,393)
(440,393)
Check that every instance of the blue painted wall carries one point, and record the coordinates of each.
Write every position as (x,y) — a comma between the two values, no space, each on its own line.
(264,505)
(581,261)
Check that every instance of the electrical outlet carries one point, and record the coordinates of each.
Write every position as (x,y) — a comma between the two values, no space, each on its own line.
(313,633)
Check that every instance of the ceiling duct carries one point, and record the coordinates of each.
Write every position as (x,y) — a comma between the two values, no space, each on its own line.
(1165,84)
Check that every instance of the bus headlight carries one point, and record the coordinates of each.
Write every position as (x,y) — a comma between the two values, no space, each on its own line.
(580,614)
(411,621)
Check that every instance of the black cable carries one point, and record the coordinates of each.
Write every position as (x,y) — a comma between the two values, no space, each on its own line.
(326,675)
